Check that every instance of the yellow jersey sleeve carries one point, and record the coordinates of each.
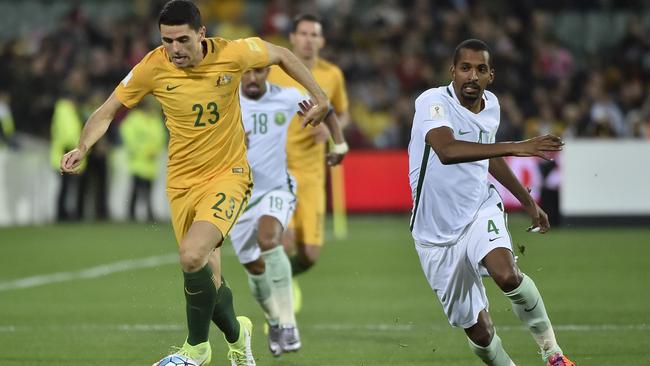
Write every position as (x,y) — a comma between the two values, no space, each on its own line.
(250,53)
(137,83)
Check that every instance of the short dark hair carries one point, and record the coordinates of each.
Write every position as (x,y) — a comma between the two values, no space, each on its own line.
(472,44)
(307,17)
(179,12)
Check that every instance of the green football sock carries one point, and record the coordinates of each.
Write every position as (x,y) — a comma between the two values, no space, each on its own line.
(200,296)
(278,268)
(527,303)
(493,354)
(298,266)
(261,289)
(224,313)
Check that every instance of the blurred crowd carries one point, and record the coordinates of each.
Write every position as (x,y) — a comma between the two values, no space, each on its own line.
(393,50)
(389,50)
(576,68)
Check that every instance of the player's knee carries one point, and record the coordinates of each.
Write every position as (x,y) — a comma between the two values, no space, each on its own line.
(508,280)
(268,241)
(481,336)
(311,254)
(256,267)
(484,339)
(311,260)
(288,241)
(191,260)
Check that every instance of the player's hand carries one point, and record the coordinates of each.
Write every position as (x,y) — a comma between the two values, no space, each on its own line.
(334,159)
(71,160)
(311,113)
(539,219)
(337,153)
(540,146)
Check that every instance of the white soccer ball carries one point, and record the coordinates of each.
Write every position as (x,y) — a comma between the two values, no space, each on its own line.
(177,360)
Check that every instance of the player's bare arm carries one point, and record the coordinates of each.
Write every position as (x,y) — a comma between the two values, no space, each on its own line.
(296,69)
(452,151)
(343,118)
(340,148)
(502,173)
(93,130)
(320,133)
(333,124)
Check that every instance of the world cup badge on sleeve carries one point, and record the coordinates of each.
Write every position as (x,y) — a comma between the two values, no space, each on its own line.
(436,111)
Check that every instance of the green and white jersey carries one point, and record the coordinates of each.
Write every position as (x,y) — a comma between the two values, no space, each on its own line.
(446,198)
(266,122)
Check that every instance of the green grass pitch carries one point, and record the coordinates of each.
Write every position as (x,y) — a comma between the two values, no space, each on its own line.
(111,294)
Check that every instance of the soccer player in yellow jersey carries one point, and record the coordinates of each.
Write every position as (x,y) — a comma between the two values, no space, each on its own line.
(306,146)
(196,80)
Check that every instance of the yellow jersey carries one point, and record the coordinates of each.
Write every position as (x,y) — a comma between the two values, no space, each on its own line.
(304,155)
(201,107)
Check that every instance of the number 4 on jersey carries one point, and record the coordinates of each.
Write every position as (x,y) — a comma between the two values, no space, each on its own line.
(492,227)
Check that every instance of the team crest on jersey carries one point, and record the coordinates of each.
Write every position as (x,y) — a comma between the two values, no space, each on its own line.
(280,118)
(436,111)
(224,79)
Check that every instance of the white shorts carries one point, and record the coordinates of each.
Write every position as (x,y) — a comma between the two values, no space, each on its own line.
(279,204)
(454,272)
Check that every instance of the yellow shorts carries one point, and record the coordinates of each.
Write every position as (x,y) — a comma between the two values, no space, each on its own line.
(219,201)
(309,217)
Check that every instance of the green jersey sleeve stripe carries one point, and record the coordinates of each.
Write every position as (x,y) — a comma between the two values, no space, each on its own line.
(423,171)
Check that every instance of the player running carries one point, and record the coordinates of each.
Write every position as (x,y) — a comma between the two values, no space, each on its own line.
(196,80)
(458,221)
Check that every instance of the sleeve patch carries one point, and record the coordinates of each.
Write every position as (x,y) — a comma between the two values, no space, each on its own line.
(436,111)
(127,78)
(253,45)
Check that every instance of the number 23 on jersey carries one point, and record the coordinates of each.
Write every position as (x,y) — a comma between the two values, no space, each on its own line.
(212,116)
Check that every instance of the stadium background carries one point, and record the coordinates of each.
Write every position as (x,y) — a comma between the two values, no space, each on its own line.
(580,69)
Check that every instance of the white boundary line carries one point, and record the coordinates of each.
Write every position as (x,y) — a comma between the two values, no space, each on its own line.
(320,327)
(410,327)
(92,272)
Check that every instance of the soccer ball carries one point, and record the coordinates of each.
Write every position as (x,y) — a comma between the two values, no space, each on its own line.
(176,360)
